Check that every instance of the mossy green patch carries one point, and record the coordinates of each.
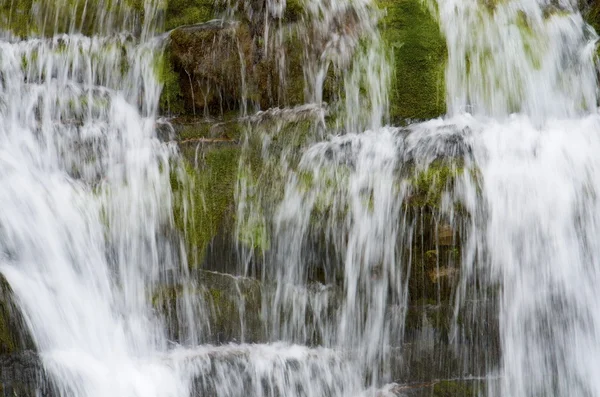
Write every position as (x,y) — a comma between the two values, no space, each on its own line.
(419,49)
(233,303)
(592,15)
(188,12)
(28,17)
(171,98)
(450,388)
(293,10)
(13,335)
(229,128)
(428,185)
(209,190)
(15,16)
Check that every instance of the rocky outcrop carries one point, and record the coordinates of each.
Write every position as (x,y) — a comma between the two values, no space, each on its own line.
(21,375)
(13,333)
(213,66)
(29,17)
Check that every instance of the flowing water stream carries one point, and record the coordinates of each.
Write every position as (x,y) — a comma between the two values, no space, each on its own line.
(87,231)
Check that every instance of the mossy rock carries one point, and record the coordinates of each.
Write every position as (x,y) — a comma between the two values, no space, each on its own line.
(449,388)
(190,130)
(13,334)
(209,60)
(427,185)
(217,67)
(63,16)
(232,304)
(419,58)
(171,98)
(188,12)
(592,13)
(205,195)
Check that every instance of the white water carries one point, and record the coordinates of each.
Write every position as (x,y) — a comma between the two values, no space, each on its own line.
(533,236)
(526,71)
(87,231)
(86,221)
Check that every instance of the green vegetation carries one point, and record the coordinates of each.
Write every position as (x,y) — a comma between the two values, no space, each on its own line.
(188,12)
(592,15)
(449,388)
(231,301)
(204,197)
(427,186)
(419,50)
(12,337)
(171,99)
(60,16)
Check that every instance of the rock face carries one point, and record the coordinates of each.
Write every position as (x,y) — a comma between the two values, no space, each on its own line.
(13,334)
(438,340)
(216,67)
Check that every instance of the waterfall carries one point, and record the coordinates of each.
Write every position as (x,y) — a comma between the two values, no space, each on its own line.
(526,71)
(86,200)
(338,224)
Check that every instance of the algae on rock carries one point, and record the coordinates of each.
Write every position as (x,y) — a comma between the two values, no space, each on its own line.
(204,195)
(419,49)
(32,17)
(188,12)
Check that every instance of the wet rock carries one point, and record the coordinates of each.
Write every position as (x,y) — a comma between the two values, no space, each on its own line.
(21,375)
(14,336)
(436,342)
(29,17)
(211,60)
(188,12)
(204,194)
(222,66)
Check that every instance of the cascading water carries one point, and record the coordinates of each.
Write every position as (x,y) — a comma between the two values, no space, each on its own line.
(535,212)
(86,201)
(87,229)
(522,201)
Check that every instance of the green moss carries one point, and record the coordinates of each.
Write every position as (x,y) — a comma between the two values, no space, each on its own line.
(209,190)
(171,98)
(188,12)
(413,34)
(234,305)
(60,16)
(11,324)
(293,10)
(427,186)
(592,15)
(230,128)
(252,231)
(15,16)
(453,389)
